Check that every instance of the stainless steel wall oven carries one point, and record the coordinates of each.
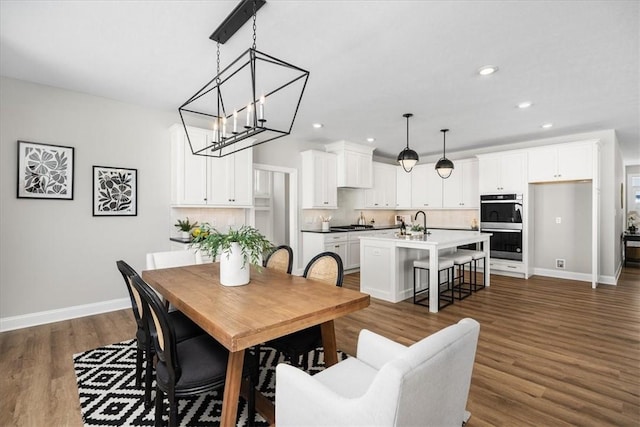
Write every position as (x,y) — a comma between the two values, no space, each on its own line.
(501,214)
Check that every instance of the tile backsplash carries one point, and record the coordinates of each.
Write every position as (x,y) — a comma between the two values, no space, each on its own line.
(348,213)
(221,219)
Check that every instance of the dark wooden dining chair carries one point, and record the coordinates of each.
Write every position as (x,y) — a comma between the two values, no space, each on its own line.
(184,328)
(189,367)
(280,259)
(324,267)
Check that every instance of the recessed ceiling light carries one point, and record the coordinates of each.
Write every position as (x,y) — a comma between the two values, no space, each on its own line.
(487,70)
(546,125)
(317,125)
(370,139)
(525,104)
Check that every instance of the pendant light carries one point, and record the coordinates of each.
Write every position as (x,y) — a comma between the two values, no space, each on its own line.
(254,100)
(444,167)
(407,157)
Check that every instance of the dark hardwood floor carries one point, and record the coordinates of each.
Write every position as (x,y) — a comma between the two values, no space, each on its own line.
(551,352)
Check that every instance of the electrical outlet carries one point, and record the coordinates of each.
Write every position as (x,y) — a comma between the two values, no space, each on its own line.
(558,220)
(559,263)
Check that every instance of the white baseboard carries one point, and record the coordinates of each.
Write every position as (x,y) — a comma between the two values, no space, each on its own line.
(572,275)
(609,280)
(50,316)
(569,275)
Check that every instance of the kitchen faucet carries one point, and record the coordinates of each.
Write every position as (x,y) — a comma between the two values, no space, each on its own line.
(425,219)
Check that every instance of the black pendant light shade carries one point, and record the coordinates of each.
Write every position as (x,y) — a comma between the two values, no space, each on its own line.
(407,157)
(444,167)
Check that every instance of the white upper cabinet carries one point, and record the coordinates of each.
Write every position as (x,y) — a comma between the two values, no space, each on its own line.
(383,193)
(232,179)
(426,187)
(502,172)
(403,189)
(562,162)
(188,172)
(208,181)
(319,176)
(460,190)
(354,164)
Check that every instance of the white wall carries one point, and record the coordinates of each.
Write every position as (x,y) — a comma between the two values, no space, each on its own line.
(54,254)
(571,238)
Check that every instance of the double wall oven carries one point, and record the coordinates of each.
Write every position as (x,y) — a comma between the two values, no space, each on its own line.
(501,214)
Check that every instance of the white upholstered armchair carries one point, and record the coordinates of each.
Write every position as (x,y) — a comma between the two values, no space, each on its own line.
(387,384)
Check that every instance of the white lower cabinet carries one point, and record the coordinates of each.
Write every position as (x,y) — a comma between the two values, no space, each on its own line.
(353,257)
(345,244)
(503,266)
(315,243)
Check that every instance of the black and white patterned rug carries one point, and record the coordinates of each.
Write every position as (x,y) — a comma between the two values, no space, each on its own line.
(109,397)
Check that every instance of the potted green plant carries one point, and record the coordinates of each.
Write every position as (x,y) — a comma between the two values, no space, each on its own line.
(417,230)
(237,249)
(185,227)
(632,218)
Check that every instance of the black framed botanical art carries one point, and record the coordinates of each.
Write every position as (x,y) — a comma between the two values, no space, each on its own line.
(115,191)
(45,171)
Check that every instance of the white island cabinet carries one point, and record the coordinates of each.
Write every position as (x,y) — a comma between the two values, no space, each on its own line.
(386,263)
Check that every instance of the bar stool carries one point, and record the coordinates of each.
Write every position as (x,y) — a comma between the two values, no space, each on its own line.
(475,256)
(423,264)
(460,260)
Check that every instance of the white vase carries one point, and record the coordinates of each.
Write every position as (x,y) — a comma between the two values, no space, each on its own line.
(233,271)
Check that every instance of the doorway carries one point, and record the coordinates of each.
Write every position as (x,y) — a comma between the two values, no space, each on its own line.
(275,193)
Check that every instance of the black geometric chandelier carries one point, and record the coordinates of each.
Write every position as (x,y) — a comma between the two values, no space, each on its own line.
(444,167)
(253,100)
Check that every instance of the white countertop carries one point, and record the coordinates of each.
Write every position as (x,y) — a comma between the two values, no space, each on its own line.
(435,238)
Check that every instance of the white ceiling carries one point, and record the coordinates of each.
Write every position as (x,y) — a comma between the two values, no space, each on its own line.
(370,62)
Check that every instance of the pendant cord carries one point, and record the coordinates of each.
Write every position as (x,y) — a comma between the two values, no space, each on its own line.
(407,133)
(254,25)
(444,142)
(218,63)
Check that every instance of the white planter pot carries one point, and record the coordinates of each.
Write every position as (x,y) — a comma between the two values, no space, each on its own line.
(185,234)
(232,270)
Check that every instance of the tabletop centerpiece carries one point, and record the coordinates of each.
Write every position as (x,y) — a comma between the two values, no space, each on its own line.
(416,230)
(238,248)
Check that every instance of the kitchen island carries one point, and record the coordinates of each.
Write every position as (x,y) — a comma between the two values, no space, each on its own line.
(386,263)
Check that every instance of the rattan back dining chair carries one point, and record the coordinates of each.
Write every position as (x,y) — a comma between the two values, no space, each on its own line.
(280,259)
(184,327)
(325,267)
(189,367)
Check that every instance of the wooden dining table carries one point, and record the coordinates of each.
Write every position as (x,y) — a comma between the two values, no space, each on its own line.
(272,305)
